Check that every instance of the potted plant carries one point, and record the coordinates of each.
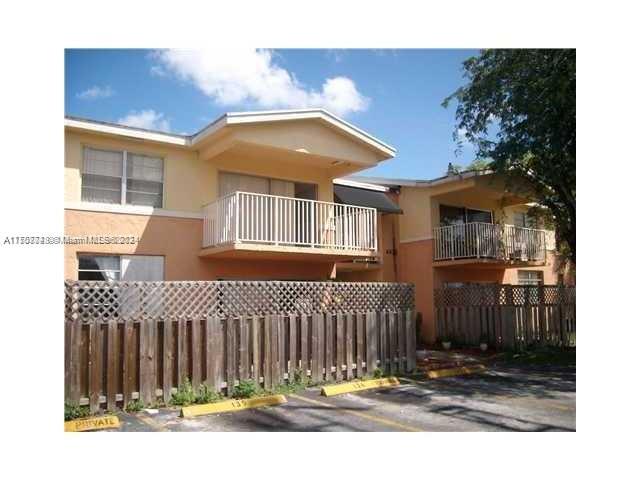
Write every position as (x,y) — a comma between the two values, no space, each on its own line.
(484,342)
(446,342)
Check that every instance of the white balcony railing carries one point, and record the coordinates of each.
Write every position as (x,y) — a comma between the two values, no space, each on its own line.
(243,217)
(488,240)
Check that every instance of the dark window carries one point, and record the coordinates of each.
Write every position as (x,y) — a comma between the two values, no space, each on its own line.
(458,215)
(451,215)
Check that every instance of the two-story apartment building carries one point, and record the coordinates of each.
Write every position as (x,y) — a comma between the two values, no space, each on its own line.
(250,196)
(262,195)
(466,228)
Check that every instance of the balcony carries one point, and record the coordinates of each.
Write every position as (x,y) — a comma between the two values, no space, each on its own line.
(242,223)
(490,243)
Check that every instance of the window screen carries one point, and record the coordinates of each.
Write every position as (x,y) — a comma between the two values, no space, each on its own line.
(121,267)
(144,180)
(102,176)
(529,277)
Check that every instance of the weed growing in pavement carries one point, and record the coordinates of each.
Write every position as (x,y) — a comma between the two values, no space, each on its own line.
(71,412)
(207,395)
(184,395)
(187,395)
(134,406)
(246,389)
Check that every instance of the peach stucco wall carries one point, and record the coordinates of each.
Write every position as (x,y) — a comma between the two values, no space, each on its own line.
(179,241)
(414,266)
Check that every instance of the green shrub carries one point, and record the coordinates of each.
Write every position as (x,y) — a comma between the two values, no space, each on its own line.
(299,377)
(207,395)
(71,412)
(134,406)
(378,373)
(185,394)
(246,389)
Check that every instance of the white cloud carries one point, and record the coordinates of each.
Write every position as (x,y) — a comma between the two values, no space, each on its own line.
(157,71)
(149,119)
(96,92)
(232,77)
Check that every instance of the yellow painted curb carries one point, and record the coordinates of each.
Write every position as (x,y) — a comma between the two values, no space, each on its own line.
(92,423)
(450,372)
(232,405)
(340,388)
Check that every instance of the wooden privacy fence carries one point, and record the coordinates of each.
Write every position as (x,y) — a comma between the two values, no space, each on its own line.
(140,340)
(507,316)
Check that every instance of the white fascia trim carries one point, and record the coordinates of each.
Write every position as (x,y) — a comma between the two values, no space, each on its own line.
(238,118)
(391,182)
(99,127)
(210,129)
(129,210)
(366,186)
(403,182)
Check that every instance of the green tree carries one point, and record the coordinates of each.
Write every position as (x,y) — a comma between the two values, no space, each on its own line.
(518,109)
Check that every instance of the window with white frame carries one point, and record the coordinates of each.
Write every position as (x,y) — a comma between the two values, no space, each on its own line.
(121,267)
(99,267)
(102,176)
(122,177)
(529,277)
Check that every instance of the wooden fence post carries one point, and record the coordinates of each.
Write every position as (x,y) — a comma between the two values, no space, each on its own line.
(372,342)
(340,345)
(349,345)
(410,323)
(359,321)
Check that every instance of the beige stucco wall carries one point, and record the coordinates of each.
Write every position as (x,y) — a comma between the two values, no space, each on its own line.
(185,176)
(253,164)
(191,181)
(415,222)
(309,136)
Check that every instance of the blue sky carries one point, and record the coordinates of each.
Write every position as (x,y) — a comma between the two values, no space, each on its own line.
(395,95)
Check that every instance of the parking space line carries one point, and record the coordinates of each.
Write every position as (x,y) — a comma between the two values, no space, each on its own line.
(373,418)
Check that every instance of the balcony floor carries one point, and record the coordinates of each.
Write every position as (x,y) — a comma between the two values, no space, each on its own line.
(487,263)
(258,251)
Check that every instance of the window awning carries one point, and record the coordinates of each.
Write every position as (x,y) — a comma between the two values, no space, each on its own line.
(364,198)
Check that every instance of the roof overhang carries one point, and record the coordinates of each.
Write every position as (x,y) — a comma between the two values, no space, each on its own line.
(406,182)
(124,131)
(271,116)
(232,119)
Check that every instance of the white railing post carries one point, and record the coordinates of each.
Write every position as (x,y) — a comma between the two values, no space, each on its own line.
(236,220)
(374,213)
(312,226)
(277,225)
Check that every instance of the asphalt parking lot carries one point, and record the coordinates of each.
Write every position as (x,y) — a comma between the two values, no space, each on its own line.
(534,399)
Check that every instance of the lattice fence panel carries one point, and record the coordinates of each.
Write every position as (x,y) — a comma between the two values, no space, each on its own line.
(491,295)
(105,301)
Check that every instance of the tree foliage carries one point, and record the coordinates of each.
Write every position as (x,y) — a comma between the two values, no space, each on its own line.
(519,109)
